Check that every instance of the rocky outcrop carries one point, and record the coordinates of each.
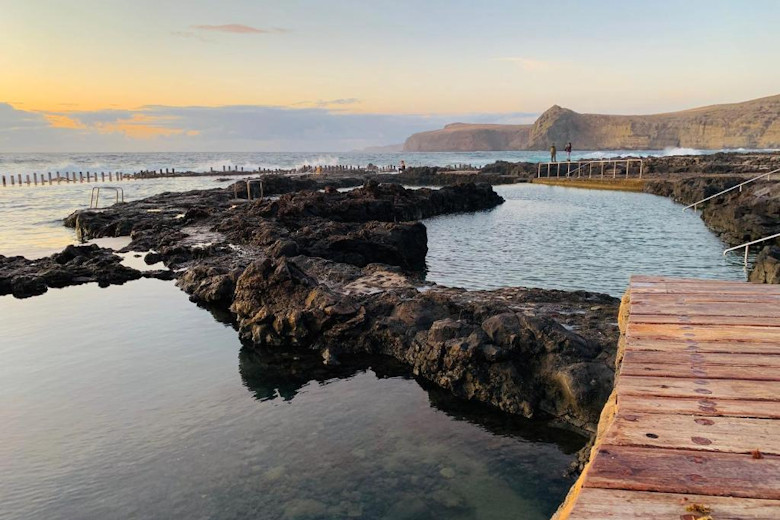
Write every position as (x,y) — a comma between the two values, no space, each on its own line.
(751,124)
(341,274)
(466,137)
(75,265)
(766,268)
(495,347)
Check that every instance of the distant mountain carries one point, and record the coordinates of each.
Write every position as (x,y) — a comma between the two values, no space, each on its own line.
(751,124)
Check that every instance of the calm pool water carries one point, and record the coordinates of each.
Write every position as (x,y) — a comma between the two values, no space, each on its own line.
(131,402)
(569,238)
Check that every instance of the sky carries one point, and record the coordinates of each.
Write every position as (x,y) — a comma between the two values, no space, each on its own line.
(334,75)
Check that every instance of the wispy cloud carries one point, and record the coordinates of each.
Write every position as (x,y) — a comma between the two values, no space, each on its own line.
(190,34)
(528,64)
(328,103)
(237,28)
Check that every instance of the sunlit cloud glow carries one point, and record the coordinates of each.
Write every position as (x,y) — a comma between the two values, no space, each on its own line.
(237,28)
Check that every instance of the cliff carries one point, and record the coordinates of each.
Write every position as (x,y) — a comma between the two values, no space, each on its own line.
(751,124)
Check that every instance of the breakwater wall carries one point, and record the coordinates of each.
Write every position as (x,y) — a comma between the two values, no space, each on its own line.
(57,178)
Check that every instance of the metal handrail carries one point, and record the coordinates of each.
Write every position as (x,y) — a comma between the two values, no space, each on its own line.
(767,174)
(748,244)
(94,197)
(582,163)
(249,183)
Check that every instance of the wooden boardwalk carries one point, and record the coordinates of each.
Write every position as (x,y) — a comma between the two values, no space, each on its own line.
(694,422)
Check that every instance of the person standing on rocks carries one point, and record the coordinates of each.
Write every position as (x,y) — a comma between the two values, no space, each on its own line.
(568,151)
(553,153)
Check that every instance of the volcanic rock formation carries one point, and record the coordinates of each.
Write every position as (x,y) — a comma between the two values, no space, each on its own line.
(751,124)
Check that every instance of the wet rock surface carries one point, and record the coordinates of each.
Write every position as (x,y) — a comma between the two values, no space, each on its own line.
(75,265)
(341,274)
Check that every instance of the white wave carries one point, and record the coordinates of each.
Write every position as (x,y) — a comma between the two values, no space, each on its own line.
(600,155)
(667,152)
(322,160)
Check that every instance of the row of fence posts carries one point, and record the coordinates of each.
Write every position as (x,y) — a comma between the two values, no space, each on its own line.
(80,177)
(57,178)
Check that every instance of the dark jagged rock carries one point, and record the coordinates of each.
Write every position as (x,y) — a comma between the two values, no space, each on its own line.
(73,266)
(489,346)
(767,266)
(280,184)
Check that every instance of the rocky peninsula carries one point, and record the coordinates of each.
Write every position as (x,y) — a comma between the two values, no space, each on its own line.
(341,274)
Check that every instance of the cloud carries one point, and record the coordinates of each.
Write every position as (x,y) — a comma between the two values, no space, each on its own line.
(15,120)
(237,28)
(143,126)
(529,64)
(328,103)
(63,121)
(222,128)
(190,34)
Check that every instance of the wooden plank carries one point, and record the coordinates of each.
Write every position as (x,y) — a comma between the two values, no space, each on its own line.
(698,287)
(646,357)
(698,371)
(725,347)
(735,333)
(697,472)
(701,292)
(655,281)
(770,299)
(706,309)
(604,504)
(700,406)
(698,392)
(680,319)
(701,388)
(722,434)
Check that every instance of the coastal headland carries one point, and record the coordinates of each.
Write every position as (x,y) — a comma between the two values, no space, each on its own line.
(750,124)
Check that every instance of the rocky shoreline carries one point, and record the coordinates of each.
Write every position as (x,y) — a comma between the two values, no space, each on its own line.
(341,274)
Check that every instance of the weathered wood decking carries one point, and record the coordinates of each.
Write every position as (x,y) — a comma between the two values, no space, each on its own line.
(695,416)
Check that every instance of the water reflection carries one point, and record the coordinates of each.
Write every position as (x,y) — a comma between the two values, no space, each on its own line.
(125,403)
(269,375)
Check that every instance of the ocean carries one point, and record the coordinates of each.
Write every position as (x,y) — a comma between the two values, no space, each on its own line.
(29,163)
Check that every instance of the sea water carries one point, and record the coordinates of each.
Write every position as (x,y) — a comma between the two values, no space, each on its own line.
(29,163)
(130,402)
(574,239)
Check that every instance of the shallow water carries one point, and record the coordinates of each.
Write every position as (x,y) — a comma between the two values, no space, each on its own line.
(32,217)
(131,402)
(570,238)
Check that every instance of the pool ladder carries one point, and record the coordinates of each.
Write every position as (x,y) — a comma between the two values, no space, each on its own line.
(94,199)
